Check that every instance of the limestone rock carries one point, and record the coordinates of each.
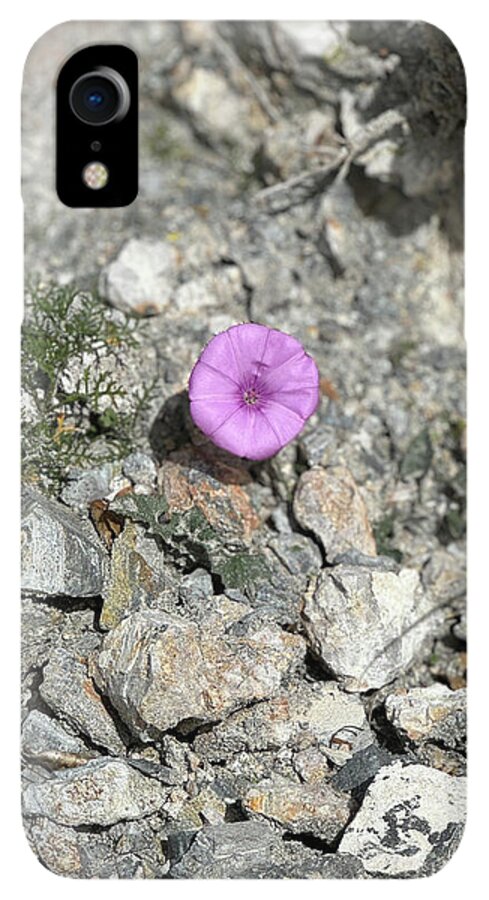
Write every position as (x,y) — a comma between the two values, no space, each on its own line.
(136,575)
(45,741)
(316,809)
(254,850)
(368,626)
(100,793)
(61,553)
(409,822)
(184,675)
(305,716)
(68,690)
(142,277)
(433,713)
(327,503)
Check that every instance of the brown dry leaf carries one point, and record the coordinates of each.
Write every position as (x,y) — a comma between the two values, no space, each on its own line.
(108,523)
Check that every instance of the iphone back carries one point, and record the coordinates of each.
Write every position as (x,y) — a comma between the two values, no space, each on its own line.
(237,667)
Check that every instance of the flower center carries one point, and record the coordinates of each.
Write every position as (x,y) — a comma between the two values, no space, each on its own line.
(250,397)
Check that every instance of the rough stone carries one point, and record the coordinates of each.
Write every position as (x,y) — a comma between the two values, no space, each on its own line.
(409,815)
(85,486)
(434,713)
(185,675)
(61,554)
(217,490)
(138,576)
(368,626)
(361,768)
(45,741)
(254,850)
(142,277)
(125,850)
(327,503)
(140,469)
(217,111)
(300,808)
(69,691)
(307,715)
(100,793)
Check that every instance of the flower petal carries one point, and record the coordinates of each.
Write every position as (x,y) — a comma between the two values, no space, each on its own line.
(210,415)
(293,375)
(248,433)
(218,355)
(249,345)
(207,382)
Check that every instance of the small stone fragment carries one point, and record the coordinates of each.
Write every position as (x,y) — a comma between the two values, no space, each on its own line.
(216,490)
(140,469)
(57,847)
(132,581)
(142,277)
(84,486)
(100,793)
(316,809)
(368,626)
(61,553)
(361,768)
(410,816)
(433,713)
(69,691)
(327,502)
(183,675)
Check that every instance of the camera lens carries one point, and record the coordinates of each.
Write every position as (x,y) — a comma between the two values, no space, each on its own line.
(100,97)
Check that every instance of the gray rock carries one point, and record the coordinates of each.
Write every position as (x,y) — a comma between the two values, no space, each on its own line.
(125,850)
(140,469)
(433,713)
(254,850)
(184,675)
(100,793)
(61,553)
(408,815)
(318,445)
(306,715)
(68,689)
(361,768)
(219,113)
(85,486)
(142,277)
(196,586)
(317,809)
(45,741)
(328,503)
(368,626)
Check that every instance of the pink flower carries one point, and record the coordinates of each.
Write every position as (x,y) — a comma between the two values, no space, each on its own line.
(252,390)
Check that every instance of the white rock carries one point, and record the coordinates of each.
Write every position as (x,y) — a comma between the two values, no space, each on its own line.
(100,793)
(314,40)
(425,713)
(368,626)
(142,277)
(409,815)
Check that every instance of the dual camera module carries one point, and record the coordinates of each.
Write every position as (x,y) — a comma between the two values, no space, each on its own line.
(96,127)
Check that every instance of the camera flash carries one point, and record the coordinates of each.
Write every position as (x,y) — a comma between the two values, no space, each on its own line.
(95,175)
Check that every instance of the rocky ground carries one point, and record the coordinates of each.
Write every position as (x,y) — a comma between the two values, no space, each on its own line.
(233,669)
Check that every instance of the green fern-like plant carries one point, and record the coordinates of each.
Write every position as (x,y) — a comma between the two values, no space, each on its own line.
(84,425)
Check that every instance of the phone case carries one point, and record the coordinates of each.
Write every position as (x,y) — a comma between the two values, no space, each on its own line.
(243,618)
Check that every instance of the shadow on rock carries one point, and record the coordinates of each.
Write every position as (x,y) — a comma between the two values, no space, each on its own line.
(173,436)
